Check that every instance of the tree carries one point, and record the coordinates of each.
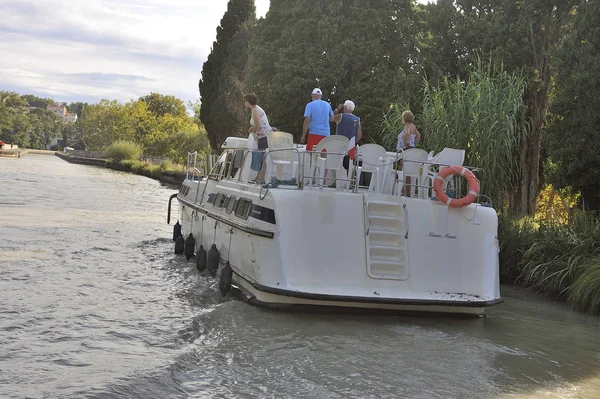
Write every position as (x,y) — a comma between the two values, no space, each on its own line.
(44,126)
(519,34)
(350,49)
(77,108)
(13,119)
(38,102)
(160,105)
(105,123)
(573,138)
(195,106)
(240,16)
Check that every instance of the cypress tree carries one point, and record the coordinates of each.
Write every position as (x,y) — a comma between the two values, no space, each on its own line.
(222,80)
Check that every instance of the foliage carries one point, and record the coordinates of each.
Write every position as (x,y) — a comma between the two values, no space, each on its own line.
(573,143)
(77,108)
(123,150)
(516,236)
(555,259)
(391,125)
(194,107)
(161,105)
(221,86)
(105,123)
(519,34)
(556,205)
(24,127)
(38,102)
(485,115)
(585,292)
(159,134)
(350,49)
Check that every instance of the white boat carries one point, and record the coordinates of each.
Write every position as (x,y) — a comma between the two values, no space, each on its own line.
(303,243)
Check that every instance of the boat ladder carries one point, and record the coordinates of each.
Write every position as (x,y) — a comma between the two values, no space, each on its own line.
(386,239)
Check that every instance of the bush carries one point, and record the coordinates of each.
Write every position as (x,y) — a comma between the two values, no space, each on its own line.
(585,293)
(553,258)
(166,165)
(123,150)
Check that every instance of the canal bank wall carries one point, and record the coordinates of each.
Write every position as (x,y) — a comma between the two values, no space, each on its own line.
(18,153)
(99,159)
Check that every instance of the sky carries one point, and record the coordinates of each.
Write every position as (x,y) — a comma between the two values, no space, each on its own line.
(114,49)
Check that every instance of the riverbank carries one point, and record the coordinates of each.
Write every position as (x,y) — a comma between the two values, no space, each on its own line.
(137,167)
(18,153)
(21,152)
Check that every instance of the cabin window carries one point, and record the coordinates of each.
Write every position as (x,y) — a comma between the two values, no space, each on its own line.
(243,208)
(220,198)
(230,204)
(211,198)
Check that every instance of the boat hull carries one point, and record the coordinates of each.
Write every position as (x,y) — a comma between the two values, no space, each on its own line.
(276,298)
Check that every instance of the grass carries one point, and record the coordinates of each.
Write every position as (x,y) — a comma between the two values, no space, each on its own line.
(562,261)
(145,168)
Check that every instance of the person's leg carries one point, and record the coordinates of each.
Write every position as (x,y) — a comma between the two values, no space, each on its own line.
(313,140)
(262,145)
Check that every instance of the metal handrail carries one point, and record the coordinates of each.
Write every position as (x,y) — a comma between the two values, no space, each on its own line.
(300,159)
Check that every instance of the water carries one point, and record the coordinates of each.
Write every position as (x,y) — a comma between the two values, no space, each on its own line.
(93,304)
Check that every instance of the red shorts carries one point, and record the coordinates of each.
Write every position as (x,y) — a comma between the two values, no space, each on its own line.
(313,139)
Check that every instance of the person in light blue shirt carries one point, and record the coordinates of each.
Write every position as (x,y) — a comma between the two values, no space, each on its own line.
(317,116)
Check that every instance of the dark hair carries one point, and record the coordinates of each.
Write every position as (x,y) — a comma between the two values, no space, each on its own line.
(251,98)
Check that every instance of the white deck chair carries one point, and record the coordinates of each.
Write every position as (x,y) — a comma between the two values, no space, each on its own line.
(281,159)
(412,164)
(335,148)
(370,154)
(448,156)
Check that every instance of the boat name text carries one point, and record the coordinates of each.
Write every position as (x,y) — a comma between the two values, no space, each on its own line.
(440,235)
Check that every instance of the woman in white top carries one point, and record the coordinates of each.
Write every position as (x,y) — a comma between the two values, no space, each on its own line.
(407,139)
(409,136)
(259,125)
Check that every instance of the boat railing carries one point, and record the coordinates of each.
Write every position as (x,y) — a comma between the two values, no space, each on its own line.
(310,180)
(303,162)
(457,184)
(199,165)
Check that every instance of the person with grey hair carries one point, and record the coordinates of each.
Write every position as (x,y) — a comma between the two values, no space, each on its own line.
(347,123)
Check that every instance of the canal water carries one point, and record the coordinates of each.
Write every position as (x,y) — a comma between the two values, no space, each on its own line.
(94,304)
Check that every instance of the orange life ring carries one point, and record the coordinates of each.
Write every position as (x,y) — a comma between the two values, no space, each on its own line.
(456,202)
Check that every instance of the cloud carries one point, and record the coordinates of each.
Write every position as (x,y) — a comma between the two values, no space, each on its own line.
(112,49)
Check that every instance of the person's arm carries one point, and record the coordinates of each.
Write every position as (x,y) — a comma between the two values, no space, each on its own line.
(256,117)
(337,114)
(359,132)
(417,136)
(305,129)
(307,113)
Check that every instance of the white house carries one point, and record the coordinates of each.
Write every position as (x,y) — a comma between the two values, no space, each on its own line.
(71,117)
(60,110)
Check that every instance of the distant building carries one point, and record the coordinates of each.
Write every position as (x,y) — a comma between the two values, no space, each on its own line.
(60,110)
(71,117)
